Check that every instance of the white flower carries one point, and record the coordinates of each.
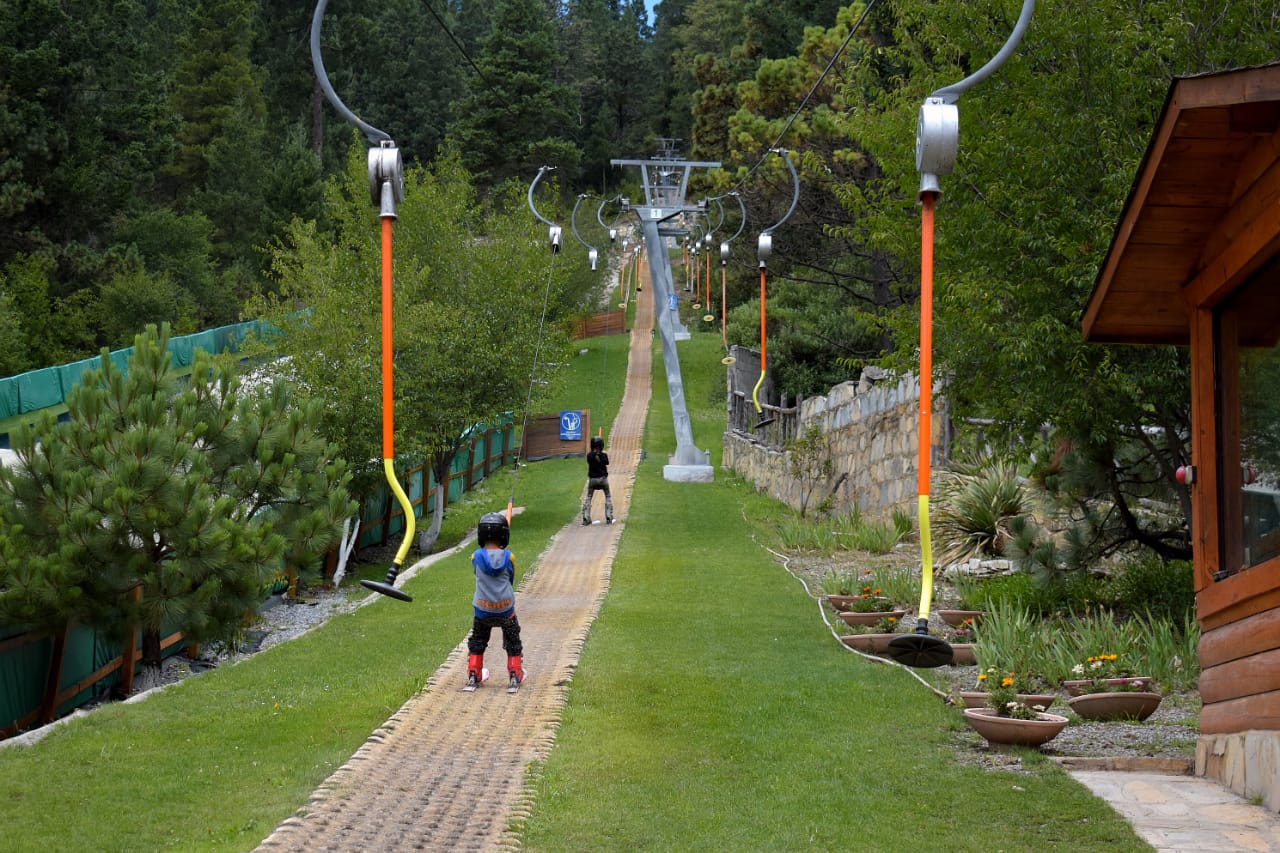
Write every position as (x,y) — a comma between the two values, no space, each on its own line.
(1078,669)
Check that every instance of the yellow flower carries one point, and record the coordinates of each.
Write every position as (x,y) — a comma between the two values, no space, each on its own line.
(982,676)
(1007,681)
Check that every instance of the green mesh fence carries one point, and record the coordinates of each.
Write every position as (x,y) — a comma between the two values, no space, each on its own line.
(49,387)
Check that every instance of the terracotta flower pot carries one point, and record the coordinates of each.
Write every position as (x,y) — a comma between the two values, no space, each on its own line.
(1116,705)
(978,699)
(876,644)
(853,618)
(956,618)
(1006,731)
(1031,700)
(840,603)
(1077,688)
(962,654)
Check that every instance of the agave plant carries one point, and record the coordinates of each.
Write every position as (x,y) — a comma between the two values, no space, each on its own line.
(975,504)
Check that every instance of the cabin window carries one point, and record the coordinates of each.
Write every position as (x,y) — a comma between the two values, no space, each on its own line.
(1247,367)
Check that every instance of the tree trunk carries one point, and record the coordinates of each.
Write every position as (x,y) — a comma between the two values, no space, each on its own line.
(58,657)
(149,674)
(427,538)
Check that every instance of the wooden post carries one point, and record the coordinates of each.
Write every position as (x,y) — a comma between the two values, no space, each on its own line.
(56,660)
(386,519)
(129,653)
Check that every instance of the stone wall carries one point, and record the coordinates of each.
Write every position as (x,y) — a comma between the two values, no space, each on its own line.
(871,433)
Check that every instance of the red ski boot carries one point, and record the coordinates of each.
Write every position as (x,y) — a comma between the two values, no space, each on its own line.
(515,673)
(475,672)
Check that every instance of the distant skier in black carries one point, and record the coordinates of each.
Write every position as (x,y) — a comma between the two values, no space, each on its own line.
(597,478)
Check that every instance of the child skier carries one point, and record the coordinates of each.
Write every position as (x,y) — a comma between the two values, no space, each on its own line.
(494,602)
(597,478)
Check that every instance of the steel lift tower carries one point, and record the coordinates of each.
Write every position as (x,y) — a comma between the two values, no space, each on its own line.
(665,178)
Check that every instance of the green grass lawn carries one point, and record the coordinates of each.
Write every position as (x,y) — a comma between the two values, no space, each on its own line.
(711,708)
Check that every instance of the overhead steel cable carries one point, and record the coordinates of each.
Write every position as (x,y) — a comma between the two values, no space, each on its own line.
(462,50)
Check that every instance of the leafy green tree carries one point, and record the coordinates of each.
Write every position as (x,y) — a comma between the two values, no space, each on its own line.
(180,248)
(189,494)
(672,88)
(13,349)
(25,281)
(1049,147)
(829,284)
(82,122)
(470,283)
(518,116)
(133,293)
(608,48)
(391,62)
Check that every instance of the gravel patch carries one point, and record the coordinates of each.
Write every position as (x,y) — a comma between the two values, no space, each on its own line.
(1169,734)
(281,619)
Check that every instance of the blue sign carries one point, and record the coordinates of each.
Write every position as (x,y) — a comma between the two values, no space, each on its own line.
(671,301)
(571,426)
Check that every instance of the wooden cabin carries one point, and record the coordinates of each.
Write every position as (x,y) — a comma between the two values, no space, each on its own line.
(1195,261)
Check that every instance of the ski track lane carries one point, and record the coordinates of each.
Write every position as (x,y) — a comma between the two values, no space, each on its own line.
(446,771)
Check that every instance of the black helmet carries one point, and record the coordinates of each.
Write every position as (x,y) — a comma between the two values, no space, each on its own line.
(597,443)
(493,528)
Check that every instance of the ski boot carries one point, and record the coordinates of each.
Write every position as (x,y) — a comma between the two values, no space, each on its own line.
(475,672)
(515,673)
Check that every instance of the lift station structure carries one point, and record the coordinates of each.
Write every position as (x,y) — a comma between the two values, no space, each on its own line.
(665,178)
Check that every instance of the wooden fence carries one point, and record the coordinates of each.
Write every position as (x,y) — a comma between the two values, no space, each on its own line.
(605,323)
(78,692)
(542,438)
(490,449)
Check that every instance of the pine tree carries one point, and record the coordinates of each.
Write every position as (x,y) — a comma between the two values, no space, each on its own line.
(518,116)
(216,91)
(191,495)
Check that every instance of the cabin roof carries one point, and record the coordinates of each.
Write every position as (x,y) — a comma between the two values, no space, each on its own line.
(1207,189)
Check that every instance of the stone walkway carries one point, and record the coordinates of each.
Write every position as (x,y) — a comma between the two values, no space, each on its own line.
(446,771)
(1184,814)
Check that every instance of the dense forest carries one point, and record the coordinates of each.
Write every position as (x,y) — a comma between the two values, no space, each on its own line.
(173,161)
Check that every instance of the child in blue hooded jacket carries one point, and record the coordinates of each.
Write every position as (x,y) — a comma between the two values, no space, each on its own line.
(494,602)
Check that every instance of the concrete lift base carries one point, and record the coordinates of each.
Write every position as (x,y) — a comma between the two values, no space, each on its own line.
(689,473)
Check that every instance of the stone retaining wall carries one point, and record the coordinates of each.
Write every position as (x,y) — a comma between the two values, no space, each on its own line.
(871,432)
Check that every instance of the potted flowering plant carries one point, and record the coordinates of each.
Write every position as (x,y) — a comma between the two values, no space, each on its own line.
(839,588)
(1027,689)
(963,636)
(1008,718)
(867,606)
(1106,673)
(1110,691)
(873,637)
(870,600)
